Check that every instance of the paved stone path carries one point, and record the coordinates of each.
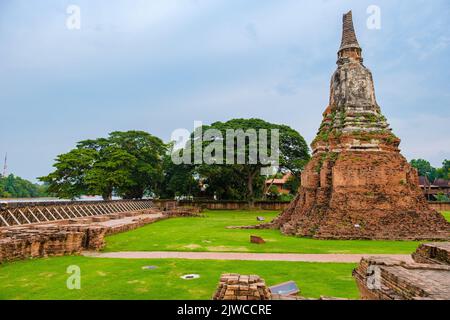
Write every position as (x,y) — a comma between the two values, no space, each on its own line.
(347,258)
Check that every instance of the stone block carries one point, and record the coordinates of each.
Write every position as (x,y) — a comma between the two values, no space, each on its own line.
(245,287)
(257,240)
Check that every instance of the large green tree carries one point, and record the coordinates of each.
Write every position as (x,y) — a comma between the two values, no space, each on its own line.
(242,178)
(444,172)
(179,180)
(424,168)
(128,164)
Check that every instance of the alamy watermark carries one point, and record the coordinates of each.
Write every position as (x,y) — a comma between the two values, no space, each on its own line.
(73,21)
(374,19)
(73,282)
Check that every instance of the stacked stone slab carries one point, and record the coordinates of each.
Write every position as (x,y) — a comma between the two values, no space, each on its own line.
(357,184)
(234,286)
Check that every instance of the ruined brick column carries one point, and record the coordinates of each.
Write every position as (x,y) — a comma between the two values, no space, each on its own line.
(357,184)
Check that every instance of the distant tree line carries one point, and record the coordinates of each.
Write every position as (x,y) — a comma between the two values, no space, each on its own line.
(425,169)
(135,164)
(16,187)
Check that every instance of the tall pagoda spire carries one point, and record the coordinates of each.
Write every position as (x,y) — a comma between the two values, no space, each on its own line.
(349,45)
(357,185)
(349,39)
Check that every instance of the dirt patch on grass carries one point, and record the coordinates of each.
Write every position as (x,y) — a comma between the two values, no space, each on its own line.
(227,249)
(192,246)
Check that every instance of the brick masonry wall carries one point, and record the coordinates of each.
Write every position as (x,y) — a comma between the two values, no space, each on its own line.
(261,205)
(229,205)
(73,236)
(440,206)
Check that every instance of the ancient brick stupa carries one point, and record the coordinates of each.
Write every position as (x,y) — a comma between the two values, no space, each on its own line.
(357,184)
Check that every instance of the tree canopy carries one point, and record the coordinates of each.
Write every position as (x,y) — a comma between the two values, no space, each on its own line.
(134,163)
(128,164)
(241,141)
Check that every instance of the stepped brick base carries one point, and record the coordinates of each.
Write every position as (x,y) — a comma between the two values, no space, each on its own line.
(361,195)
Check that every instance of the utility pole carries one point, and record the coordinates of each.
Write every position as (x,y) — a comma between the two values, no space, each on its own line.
(5,165)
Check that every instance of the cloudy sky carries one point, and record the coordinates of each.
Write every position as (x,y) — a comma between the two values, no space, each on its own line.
(159,65)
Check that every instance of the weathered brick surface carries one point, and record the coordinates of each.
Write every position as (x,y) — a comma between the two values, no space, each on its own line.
(389,279)
(362,196)
(433,253)
(72,236)
(33,243)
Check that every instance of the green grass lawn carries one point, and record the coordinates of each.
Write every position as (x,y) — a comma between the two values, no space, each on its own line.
(446,215)
(210,234)
(125,278)
(119,279)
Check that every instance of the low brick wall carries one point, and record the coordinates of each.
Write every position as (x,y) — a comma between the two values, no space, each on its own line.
(236,205)
(71,237)
(45,241)
(258,205)
(440,206)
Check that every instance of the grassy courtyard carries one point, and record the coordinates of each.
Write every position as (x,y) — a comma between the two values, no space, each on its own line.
(125,279)
(210,234)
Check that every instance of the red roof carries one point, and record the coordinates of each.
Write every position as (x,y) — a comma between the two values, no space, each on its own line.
(280,181)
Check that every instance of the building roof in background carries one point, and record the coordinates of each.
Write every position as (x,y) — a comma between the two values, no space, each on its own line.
(441,183)
(423,181)
(280,181)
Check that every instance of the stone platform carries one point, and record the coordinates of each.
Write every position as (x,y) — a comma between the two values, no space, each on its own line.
(434,253)
(391,279)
